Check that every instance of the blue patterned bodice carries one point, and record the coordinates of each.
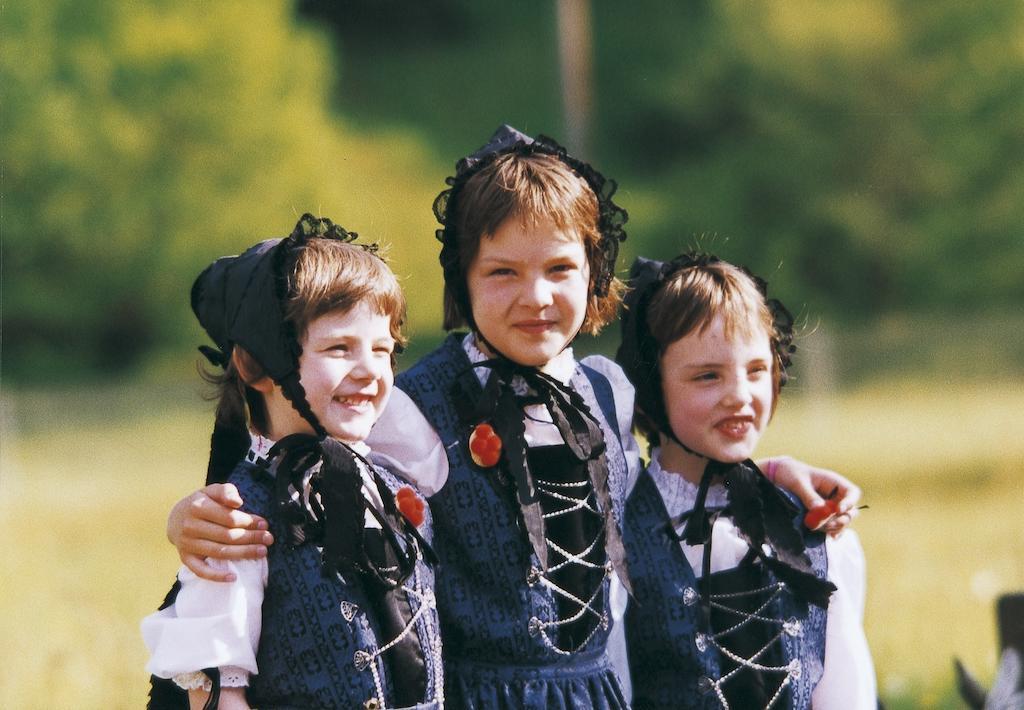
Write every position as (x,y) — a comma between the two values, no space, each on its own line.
(491,595)
(314,625)
(669,664)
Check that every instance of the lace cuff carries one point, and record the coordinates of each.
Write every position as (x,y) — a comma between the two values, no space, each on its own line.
(230,677)
(234,677)
(196,680)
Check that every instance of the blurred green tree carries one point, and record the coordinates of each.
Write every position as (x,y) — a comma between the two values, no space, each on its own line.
(872,147)
(142,140)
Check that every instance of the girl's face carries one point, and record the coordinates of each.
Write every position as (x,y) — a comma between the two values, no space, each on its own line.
(718,394)
(345,369)
(528,287)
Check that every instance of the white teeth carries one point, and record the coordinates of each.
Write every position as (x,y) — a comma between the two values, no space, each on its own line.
(354,401)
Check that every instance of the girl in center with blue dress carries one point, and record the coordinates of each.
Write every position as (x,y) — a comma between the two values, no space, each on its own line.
(529,449)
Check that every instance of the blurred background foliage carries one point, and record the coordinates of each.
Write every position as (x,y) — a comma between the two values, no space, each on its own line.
(864,155)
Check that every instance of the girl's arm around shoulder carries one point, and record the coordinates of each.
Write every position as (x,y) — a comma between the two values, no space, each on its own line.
(404,442)
(210,524)
(812,485)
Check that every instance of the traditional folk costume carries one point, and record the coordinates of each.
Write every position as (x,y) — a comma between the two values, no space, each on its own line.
(525,617)
(732,594)
(341,613)
(673,650)
(529,541)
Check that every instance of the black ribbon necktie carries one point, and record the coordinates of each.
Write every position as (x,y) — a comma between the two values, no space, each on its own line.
(333,516)
(763,516)
(499,404)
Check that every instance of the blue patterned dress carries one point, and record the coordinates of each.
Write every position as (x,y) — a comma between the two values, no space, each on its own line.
(674,656)
(322,638)
(320,644)
(501,615)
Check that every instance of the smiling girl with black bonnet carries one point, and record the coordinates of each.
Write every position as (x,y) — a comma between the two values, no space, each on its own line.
(341,613)
(732,606)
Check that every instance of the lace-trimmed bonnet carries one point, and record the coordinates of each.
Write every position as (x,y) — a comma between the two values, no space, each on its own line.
(507,140)
(241,300)
(639,352)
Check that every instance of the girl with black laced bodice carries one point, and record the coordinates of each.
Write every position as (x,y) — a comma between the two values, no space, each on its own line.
(735,604)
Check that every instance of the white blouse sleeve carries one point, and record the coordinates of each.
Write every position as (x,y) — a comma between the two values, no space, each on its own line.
(849,677)
(404,442)
(210,624)
(624,398)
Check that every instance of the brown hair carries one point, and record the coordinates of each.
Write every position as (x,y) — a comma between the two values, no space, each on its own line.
(324,276)
(690,300)
(529,187)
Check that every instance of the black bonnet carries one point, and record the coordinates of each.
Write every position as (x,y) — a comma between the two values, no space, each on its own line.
(505,140)
(639,353)
(241,300)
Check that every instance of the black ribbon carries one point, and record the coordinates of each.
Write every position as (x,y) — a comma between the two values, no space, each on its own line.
(762,515)
(333,513)
(333,516)
(499,405)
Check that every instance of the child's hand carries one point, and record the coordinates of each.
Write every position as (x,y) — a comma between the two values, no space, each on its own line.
(208,524)
(814,485)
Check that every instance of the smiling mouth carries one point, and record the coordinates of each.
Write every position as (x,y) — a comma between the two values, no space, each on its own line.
(735,427)
(535,326)
(355,401)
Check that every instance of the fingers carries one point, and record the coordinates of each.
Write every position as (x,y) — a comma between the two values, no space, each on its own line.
(850,499)
(203,507)
(808,495)
(838,524)
(206,549)
(224,493)
(201,568)
(834,486)
(196,529)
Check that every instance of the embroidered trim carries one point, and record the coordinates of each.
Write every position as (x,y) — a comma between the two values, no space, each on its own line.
(195,680)
(234,677)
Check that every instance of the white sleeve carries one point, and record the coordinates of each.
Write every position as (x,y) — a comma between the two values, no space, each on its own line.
(210,624)
(848,681)
(404,442)
(624,395)
(624,399)
(617,637)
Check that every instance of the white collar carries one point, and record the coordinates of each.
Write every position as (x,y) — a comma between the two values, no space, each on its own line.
(678,493)
(561,367)
(259,447)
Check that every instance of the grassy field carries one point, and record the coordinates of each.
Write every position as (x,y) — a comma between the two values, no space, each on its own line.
(87,477)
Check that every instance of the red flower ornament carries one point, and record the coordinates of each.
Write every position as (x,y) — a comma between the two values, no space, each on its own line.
(484,446)
(410,505)
(819,516)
